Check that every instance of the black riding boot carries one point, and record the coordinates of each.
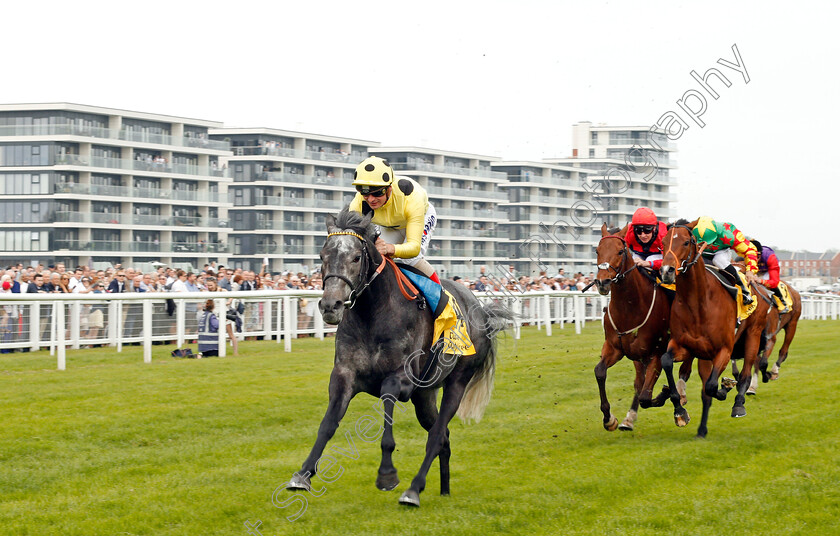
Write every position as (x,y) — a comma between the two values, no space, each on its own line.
(778,293)
(744,292)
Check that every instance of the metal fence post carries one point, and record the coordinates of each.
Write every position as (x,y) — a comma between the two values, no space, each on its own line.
(58,316)
(147,331)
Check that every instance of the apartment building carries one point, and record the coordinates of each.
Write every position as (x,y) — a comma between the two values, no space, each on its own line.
(284,185)
(90,185)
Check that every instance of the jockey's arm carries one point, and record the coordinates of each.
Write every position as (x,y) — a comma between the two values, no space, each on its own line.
(746,250)
(413,236)
(772,280)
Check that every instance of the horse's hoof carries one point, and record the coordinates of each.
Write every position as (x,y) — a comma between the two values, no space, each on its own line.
(626,426)
(387,482)
(410,498)
(682,419)
(298,483)
(728,383)
(612,424)
(774,376)
(750,392)
(739,411)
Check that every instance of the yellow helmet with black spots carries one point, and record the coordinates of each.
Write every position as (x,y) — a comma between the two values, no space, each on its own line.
(373,172)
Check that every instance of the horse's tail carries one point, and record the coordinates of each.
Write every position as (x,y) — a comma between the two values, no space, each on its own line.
(478,391)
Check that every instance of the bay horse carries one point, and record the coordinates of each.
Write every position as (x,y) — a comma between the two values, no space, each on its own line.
(635,325)
(787,322)
(383,347)
(776,322)
(703,324)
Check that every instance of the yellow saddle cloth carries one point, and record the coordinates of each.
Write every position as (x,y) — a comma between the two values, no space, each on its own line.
(744,311)
(453,326)
(788,301)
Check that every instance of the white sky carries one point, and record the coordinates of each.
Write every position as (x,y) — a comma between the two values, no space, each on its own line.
(503,79)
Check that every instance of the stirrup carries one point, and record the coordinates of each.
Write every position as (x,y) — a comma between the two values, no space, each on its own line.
(746,299)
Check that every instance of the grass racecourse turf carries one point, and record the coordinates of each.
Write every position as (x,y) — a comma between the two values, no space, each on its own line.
(189,447)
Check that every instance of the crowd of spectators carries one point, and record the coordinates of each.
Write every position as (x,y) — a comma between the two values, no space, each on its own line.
(56,278)
(507,282)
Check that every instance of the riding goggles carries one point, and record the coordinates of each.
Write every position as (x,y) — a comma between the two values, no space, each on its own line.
(367,190)
(639,229)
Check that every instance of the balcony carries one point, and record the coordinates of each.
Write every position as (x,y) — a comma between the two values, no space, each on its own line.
(137,165)
(486,213)
(473,233)
(449,170)
(295,202)
(157,194)
(137,219)
(299,178)
(106,133)
(142,246)
(289,152)
(290,226)
(466,192)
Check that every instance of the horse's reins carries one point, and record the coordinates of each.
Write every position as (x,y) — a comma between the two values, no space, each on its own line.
(403,282)
(617,279)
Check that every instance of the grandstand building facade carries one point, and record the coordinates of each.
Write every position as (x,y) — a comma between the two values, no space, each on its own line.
(88,185)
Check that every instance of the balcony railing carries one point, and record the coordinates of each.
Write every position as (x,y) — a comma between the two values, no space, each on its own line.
(137,165)
(296,153)
(107,133)
(470,213)
(63,216)
(466,192)
(451,170)
(299,178)
(297,202)
(145,193)
(481,233)
(142,246)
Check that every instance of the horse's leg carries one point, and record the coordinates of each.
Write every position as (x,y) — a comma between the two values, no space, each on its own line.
(747,378)
(341,392)
(425,407)
(681,417)
(768,351)
(609,357)
(685,374)
(387,478)
(710,384)
(704,367)
(654,368)
(638,383)
(453,391)
(790,331)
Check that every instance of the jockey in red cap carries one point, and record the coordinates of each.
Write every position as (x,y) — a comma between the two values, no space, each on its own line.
(644,237)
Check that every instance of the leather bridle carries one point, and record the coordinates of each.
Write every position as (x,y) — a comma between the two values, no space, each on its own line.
(366,262)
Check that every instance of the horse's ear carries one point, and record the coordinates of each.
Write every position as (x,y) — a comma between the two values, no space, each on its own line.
(370,230)
(693,224)
(604,230)
(623,231)
(330,220)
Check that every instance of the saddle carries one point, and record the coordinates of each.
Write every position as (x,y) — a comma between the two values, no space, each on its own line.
(450,324)
(744,311)
(725,279)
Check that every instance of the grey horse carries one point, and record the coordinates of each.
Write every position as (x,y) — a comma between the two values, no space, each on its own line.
(383,347)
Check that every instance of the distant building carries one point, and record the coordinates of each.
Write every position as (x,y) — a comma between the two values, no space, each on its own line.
(825,265)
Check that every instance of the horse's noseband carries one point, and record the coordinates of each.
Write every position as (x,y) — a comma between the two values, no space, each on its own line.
(619,276)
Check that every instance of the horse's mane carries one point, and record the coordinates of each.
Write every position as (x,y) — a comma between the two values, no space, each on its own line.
(353,221)
(613,230)
(681,221)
